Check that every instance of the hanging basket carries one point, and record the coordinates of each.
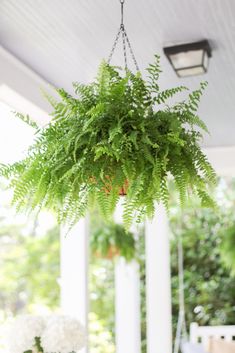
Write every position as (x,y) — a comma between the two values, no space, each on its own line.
(108,186)
(112,253)
(122,191)
(112,241)
(124,188)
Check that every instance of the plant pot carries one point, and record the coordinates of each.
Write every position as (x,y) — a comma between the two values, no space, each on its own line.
(112,252)
(122,191)
(108,187)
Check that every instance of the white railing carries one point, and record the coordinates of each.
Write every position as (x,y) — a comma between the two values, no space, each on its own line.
(204,333)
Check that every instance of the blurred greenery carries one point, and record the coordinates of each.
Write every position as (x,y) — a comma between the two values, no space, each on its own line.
(208,283)
(101,339)
(102,292)
(29,269)
(209,287)
(29,264)
(228,248)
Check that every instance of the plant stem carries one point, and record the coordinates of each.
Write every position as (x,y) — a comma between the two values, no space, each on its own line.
(37,345)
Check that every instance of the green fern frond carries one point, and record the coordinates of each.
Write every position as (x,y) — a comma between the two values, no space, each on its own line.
(26,119)
(163,96)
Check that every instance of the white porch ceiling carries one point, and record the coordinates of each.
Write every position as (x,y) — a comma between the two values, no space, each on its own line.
(64,41)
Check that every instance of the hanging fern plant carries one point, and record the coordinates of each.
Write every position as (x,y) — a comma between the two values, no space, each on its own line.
(112,241)
(117,134)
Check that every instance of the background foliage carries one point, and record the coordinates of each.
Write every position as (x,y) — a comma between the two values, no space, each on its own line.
(209,285)
(29,268)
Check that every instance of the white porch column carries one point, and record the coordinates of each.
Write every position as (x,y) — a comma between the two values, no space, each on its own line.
(127,302)
(158,284)
(74,272)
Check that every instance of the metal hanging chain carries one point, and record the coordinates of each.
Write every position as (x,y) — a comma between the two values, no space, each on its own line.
(114,46)
(125,41)
(122,12)
(124,49)
(131,51)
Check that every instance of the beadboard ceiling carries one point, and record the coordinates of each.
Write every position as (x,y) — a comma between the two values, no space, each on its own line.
(64,41)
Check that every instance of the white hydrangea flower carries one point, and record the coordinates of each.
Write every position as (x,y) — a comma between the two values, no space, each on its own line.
(63,334)
(22,332)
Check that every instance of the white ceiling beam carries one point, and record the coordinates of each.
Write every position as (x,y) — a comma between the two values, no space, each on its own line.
(21,88)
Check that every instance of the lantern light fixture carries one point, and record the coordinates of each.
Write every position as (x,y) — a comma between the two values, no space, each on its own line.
(189,59)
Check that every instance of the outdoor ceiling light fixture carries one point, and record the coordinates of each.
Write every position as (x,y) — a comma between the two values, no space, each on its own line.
(189,59)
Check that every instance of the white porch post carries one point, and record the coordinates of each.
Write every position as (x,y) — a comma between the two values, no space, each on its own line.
(127,303)
(158,284)
(74,273)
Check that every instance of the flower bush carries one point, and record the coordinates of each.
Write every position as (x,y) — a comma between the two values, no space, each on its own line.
(62,335)
(54,334)
(23,331)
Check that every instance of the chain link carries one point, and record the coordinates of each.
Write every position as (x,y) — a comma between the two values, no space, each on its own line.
(124,49)
(125,42)
(122,13)
(114,45)
(131,51)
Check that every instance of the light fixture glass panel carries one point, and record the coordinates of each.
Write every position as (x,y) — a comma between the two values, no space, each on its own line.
(187,59)
(191,71)
(206,61)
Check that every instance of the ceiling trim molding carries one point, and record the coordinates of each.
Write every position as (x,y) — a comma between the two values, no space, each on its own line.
(21,66)
(21,88)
